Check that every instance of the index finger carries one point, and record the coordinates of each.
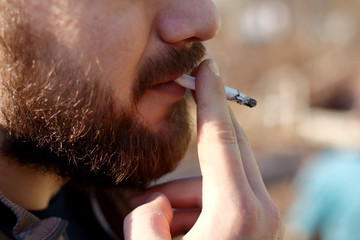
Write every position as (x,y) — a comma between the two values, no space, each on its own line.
(219,155)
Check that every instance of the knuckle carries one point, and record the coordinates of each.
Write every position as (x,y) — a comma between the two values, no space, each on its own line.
(159,207)
(221,130)
(250,214)
(244,221)
(257,220)
(275,222)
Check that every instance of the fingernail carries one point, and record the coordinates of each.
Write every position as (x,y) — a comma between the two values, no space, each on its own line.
(214,67)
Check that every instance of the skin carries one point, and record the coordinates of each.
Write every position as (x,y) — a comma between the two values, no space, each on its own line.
(27,188)
(230,200)
(116,38)
(134,31)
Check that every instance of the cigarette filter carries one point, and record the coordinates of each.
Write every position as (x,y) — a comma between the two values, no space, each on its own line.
(231,94)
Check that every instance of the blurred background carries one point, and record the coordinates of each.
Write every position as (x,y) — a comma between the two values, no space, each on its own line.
(300,59)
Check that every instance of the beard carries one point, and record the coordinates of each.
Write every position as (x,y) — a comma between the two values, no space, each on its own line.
(58,119)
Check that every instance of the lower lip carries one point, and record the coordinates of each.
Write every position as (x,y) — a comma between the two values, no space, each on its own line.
(170,88)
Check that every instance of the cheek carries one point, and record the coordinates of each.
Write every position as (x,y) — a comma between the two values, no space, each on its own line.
(120,45)
(108,38)
(62,19)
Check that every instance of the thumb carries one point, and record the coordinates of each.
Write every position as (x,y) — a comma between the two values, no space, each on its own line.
(151,220)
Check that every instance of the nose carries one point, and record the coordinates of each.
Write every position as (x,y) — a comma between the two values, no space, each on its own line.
(188,21)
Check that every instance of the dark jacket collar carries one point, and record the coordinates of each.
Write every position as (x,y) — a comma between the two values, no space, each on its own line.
(21,224)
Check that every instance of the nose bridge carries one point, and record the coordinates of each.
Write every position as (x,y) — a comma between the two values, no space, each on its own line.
(196,20)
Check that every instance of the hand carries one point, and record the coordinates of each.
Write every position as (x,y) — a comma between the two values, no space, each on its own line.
(230,201)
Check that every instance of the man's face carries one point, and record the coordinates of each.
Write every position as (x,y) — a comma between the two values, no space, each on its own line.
(88,84)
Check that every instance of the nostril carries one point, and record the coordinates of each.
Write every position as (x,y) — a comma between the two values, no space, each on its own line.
(189,21)
(194,39)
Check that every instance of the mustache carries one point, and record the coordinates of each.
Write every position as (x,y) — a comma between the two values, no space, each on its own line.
(170,64)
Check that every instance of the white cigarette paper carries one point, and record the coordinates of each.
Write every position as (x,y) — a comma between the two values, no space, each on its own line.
(231,94)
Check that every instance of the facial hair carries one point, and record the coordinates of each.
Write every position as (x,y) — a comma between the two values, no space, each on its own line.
(59,119)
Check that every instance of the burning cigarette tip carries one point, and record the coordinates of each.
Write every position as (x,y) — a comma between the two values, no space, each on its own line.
(252,103)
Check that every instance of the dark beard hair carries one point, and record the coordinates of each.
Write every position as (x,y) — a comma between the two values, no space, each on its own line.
(58,119)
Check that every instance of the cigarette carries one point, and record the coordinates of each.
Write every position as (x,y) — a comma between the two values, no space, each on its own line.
(231,94)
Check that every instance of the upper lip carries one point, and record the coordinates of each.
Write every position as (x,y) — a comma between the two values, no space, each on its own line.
(168,79)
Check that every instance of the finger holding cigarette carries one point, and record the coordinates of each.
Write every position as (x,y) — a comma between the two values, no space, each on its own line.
(231,94)
(233,192)
(230,201)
